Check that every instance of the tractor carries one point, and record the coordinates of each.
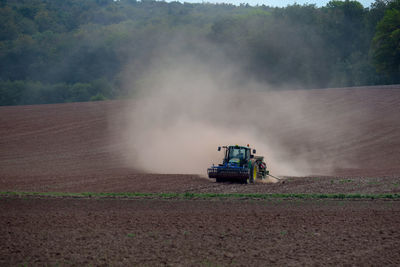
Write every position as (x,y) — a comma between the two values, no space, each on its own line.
(240,164)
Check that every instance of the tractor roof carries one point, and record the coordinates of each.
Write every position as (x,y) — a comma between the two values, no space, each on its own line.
(236,146)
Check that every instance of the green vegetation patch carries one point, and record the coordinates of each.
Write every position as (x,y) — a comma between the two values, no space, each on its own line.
(344,181)
(200,195)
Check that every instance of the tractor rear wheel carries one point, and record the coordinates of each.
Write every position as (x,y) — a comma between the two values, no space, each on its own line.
(254,173)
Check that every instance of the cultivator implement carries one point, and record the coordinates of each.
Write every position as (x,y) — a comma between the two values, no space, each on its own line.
(222,173)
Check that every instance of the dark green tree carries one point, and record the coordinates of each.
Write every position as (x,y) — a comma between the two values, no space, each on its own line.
(386,43)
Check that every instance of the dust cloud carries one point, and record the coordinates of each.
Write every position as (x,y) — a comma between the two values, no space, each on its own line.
(189,103)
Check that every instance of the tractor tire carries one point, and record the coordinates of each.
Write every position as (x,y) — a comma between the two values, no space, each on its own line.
(218,180)
(247,180)
(254,173)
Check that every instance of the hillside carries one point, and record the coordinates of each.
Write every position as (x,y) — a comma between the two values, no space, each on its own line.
(76,146)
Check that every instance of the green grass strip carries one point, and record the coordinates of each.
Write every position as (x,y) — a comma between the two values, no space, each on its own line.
(200,195)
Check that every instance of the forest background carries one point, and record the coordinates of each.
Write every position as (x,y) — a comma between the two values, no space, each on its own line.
(54,51)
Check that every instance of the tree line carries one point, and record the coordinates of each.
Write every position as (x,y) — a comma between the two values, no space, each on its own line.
(54,51)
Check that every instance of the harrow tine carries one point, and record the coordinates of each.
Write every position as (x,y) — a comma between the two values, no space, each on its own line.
(275,177)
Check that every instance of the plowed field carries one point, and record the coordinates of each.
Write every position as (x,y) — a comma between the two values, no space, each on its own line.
(73,148)
(198,233)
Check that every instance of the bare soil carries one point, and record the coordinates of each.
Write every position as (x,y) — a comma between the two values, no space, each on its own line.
(71,148)
(199,233)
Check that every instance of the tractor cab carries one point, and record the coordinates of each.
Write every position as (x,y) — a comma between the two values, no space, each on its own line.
(237,155)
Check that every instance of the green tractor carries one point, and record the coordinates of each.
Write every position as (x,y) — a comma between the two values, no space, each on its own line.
(239,164)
